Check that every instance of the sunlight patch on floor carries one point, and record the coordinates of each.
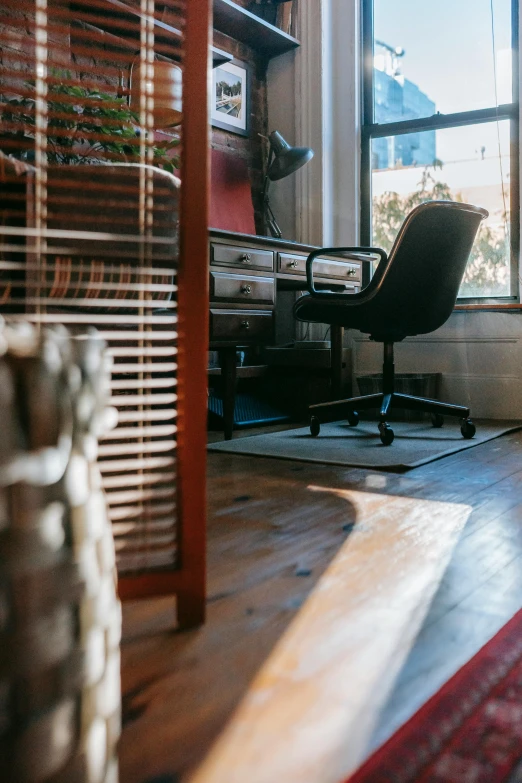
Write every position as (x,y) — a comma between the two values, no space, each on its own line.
(376,481)
(309,713)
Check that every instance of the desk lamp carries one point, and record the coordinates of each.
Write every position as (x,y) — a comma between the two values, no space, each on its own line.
(282,161)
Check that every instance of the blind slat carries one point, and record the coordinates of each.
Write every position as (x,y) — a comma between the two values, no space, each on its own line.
(131,496)
(117,482)
(151,463)
(136,448)
(139,512)
(131,433)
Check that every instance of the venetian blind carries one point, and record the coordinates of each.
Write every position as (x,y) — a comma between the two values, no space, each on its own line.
(90,227)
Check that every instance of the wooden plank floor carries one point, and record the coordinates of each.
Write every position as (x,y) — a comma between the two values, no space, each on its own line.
(271,539)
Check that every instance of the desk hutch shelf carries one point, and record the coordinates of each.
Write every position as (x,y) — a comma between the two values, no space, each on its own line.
(239,23)
(121,20)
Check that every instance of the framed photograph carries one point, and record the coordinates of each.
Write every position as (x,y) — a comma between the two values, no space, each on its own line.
(230,108)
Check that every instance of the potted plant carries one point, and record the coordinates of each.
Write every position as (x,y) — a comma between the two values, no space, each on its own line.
(85,125)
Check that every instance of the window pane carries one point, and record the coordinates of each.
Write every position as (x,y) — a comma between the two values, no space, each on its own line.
(469,164)
(440,57)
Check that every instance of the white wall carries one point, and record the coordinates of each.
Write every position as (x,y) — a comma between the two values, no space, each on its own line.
(313,99)
(478,353)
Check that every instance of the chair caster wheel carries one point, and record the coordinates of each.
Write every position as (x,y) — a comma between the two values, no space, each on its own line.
(387,434)
(437,420)
(467,429)
(315,426)
(353,419)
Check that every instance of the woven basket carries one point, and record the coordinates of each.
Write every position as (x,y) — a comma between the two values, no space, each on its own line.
(60,620)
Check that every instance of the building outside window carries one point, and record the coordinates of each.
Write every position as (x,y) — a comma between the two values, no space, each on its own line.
(440,121)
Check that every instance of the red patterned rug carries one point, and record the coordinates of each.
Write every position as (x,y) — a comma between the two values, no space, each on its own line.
(470,731)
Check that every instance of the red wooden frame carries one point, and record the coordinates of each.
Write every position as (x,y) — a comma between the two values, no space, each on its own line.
(189,582)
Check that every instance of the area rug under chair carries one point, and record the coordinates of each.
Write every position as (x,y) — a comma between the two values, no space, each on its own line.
(416,443)
(470,731)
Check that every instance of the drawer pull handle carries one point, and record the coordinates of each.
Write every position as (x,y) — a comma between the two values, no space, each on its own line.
(246,289)
(246,258)
(351,272)
(292,264)
(244,325)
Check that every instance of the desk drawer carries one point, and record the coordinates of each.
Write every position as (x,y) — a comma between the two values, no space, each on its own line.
(242,288)
(291,264)
(342,270)
(228,255)
(241,326)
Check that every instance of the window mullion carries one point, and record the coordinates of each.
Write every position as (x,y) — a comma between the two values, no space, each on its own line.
(507,111)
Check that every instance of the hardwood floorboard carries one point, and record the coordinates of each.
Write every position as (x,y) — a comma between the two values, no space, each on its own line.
(480,591)
(438,653)
(275,527)
(338,658)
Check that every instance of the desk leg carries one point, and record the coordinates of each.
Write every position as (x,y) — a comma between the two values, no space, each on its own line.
(227,361)
(336,336)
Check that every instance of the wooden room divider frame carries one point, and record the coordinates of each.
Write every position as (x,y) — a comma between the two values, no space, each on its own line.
(188,582)
(53,253)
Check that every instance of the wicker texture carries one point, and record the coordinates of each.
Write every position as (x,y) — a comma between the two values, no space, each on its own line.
(60,619)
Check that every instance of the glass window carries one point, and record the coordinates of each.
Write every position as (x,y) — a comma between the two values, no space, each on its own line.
(440,56)
(470,164)
(442,81)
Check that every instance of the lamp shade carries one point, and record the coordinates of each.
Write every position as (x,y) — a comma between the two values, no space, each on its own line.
(286,159)
(167,90)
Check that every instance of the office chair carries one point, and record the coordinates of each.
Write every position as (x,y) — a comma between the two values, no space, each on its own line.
(413,291)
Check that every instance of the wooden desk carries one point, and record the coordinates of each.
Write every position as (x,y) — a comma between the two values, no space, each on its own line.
(246,273)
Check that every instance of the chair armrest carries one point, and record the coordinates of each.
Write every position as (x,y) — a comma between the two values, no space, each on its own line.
(323,251)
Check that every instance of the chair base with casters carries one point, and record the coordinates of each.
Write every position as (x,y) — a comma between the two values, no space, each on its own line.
(385,402)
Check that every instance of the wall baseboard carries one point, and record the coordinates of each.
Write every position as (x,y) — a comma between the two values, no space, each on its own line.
(461,339)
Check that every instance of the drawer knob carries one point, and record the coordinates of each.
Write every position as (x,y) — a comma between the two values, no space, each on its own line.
(351,272)
(244,325)
(246,289)
(246,258)
(292,264)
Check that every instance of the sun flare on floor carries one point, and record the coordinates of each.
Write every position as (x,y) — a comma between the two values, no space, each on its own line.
(317,698)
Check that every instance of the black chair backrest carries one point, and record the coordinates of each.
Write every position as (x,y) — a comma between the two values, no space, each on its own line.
(422,277)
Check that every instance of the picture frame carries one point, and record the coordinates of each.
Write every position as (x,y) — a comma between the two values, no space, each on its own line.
(230,98)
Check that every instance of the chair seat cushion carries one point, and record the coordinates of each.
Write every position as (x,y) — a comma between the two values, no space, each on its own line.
(360,315)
